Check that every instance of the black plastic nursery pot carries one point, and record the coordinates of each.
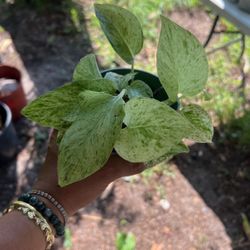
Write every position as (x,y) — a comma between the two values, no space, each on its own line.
(8,137)
(151,80)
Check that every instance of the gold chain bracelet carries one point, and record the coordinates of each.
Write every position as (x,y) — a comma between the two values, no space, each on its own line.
(34,215)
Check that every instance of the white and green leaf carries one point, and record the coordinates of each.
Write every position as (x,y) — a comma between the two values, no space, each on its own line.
(139,88)
(122,29)
(201,128)
(120,81)
(50,109)
(99,85)
(87,69)
(181,61)
(176,149)
(152,130)
(88,143)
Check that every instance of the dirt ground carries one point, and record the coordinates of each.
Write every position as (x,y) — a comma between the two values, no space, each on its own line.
(206,190)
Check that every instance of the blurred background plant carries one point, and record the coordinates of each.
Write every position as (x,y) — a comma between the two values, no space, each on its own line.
(125,241)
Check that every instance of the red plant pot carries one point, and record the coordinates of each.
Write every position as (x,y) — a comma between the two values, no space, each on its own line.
(16,99)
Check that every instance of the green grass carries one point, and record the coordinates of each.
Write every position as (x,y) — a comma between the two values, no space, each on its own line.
(226,102)
(228,105)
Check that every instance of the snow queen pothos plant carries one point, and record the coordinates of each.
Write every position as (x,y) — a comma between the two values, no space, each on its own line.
(95,115)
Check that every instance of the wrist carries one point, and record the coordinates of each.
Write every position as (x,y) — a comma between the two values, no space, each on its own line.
(54,210)
(76,195)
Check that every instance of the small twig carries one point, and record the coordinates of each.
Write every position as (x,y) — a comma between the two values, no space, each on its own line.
(241,245)
(227,32)
(224,46)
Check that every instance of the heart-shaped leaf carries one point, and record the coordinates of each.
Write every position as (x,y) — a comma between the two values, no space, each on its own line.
(87,69)
(122,29)
(88,143)
(201,128)
(181,61)
(152,130)
(50,109)
(120,81)
(139,88)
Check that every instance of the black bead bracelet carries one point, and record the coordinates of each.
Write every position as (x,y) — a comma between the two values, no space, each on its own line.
(47,213)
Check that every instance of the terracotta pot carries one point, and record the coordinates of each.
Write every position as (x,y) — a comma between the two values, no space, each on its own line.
(15,99)
(8,137)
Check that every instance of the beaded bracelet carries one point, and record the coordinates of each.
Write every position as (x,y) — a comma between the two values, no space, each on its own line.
(34,215)
(53,201)
(46,212)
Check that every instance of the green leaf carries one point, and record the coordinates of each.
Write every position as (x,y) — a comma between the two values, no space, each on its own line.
(201,128)
(181,61)
(88,143)
(152,130)
(87,68)
(67,244)
(122,29)
(207,96)
(139,88)
(174,150)
(125,241)
(246,225)
(50,109)
(60,135)
(99,85)
(120,81)
(120,240)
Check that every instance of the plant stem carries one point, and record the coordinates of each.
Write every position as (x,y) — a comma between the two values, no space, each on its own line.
(122,93)
(132,67)
(132,70)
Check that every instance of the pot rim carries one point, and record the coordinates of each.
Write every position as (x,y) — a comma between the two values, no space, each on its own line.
(12,73)
(143,71)
(8,116)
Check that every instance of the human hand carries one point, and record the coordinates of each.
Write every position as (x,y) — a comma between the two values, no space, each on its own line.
(79,194)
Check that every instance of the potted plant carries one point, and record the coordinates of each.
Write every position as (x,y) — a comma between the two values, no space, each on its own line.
(8,137)
(127,110)
(11,90)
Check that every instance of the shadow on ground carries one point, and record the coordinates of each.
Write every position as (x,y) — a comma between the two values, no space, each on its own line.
(221,175)
(50,41)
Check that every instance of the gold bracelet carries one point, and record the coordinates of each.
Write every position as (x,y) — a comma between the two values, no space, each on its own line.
(34,215)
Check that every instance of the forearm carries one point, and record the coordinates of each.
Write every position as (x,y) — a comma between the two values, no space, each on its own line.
(78,195)
(17,232)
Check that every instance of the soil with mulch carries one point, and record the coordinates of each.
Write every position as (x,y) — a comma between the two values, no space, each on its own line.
(206,190)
